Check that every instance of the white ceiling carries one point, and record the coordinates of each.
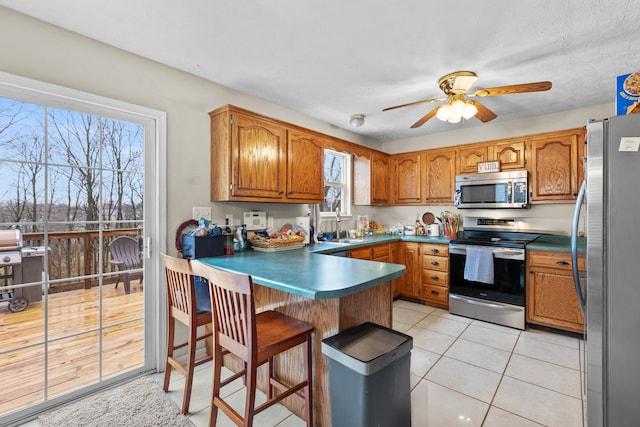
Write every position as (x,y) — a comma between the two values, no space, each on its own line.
(333,58)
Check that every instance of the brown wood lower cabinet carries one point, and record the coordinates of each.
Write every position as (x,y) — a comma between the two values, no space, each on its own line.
(409,256)
(551,295)
(435,274)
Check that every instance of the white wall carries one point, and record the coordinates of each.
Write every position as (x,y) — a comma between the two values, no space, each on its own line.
(40,51)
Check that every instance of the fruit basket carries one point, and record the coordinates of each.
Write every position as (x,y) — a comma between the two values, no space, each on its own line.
(280,242)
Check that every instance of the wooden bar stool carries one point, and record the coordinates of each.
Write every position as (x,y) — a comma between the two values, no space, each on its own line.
(254,339)
(181,295)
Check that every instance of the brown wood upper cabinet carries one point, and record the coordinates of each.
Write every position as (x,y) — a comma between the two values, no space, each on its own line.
(406,179)
(469,157)
(556,166)
(380,178)
(255,158)
(439,174)
(371,178)
(510,152)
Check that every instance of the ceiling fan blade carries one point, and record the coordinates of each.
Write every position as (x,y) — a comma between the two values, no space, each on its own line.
(426,101)
(425,118)
(507,90)
(484,114)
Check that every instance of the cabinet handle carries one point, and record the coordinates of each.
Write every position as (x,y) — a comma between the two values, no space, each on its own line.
(435,292)
(435,277)
(435,263)
(281,193)
(562,263)
(435,251)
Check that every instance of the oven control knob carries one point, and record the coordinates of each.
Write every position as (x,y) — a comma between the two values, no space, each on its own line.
(6,258)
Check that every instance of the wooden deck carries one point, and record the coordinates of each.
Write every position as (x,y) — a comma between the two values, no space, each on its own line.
(73,362)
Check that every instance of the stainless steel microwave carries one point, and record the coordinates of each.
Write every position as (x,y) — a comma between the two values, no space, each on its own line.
(498,190)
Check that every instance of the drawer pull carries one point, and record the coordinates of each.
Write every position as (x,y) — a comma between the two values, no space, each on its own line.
(435,251)
(435,292)
(562,263)
(435,263)
(435,277)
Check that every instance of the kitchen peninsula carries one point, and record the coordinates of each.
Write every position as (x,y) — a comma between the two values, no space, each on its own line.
(331,293)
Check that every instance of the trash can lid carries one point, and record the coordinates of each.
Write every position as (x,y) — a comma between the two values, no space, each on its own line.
(357,347)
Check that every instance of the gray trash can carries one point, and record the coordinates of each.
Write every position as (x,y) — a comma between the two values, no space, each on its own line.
(369,369)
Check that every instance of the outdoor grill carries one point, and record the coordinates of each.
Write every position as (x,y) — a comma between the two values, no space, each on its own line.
(19,265)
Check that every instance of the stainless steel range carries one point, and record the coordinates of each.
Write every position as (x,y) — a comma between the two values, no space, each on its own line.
(487,270)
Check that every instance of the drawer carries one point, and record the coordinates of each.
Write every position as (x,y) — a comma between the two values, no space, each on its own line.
(361,253)
(380,251)
(558,260)
(435,293)
(435,277)
(435,249)
(435,262)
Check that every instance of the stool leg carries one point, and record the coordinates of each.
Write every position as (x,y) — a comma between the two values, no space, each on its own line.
(167,367)
(250,404)
(191,358)
(308,395)
(215,392)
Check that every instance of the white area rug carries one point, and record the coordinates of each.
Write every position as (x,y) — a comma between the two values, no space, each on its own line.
(139,403)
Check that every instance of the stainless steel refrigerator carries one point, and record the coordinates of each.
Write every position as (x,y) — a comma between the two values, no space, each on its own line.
(612,291)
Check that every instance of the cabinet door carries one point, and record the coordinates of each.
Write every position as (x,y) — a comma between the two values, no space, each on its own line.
(510,153)
(551,294)
(470,156)
(379,179)
(258,153)
(554,167)
(439,169)
(305,156)
(553,301)
(407,179)
(410,257)
(394,257)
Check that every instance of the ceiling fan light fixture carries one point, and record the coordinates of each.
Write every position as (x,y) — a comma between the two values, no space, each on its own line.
(356,120)
(470,110)
(444,112)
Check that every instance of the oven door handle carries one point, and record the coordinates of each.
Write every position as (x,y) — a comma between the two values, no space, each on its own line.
(484,304)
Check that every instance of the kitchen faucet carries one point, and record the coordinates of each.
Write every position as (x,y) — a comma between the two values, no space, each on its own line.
(338,223)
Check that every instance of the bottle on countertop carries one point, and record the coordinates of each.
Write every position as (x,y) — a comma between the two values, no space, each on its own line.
(417,224)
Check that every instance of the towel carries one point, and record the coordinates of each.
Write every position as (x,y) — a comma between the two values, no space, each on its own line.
(478,266)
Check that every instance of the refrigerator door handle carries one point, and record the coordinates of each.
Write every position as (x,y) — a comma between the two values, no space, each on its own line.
(574,246)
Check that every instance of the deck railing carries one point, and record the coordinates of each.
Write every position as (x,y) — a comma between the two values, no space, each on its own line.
(76,254)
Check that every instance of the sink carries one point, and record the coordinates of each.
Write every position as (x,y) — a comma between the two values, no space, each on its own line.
(335,242)
(347,241)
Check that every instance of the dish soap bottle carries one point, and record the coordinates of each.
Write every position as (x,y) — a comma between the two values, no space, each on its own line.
(417,224)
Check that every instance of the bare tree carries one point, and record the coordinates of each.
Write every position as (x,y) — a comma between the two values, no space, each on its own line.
(77,137)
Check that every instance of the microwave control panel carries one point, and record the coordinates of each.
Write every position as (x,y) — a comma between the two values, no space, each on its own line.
(519,192)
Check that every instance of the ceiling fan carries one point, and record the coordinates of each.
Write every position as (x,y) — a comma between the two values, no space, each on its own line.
(455,86)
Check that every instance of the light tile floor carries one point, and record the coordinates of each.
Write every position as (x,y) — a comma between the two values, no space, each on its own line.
(464,372)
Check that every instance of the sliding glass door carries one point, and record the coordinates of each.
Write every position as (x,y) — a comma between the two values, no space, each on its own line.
(74,306)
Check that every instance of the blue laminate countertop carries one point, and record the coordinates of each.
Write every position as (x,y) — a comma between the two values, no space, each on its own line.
(308,272)
(555,243)
(312,272)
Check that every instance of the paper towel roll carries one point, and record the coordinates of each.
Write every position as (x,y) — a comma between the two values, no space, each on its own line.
(303,222)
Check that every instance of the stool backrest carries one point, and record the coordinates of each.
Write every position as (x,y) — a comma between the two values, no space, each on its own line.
(234,320)
(180,288)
